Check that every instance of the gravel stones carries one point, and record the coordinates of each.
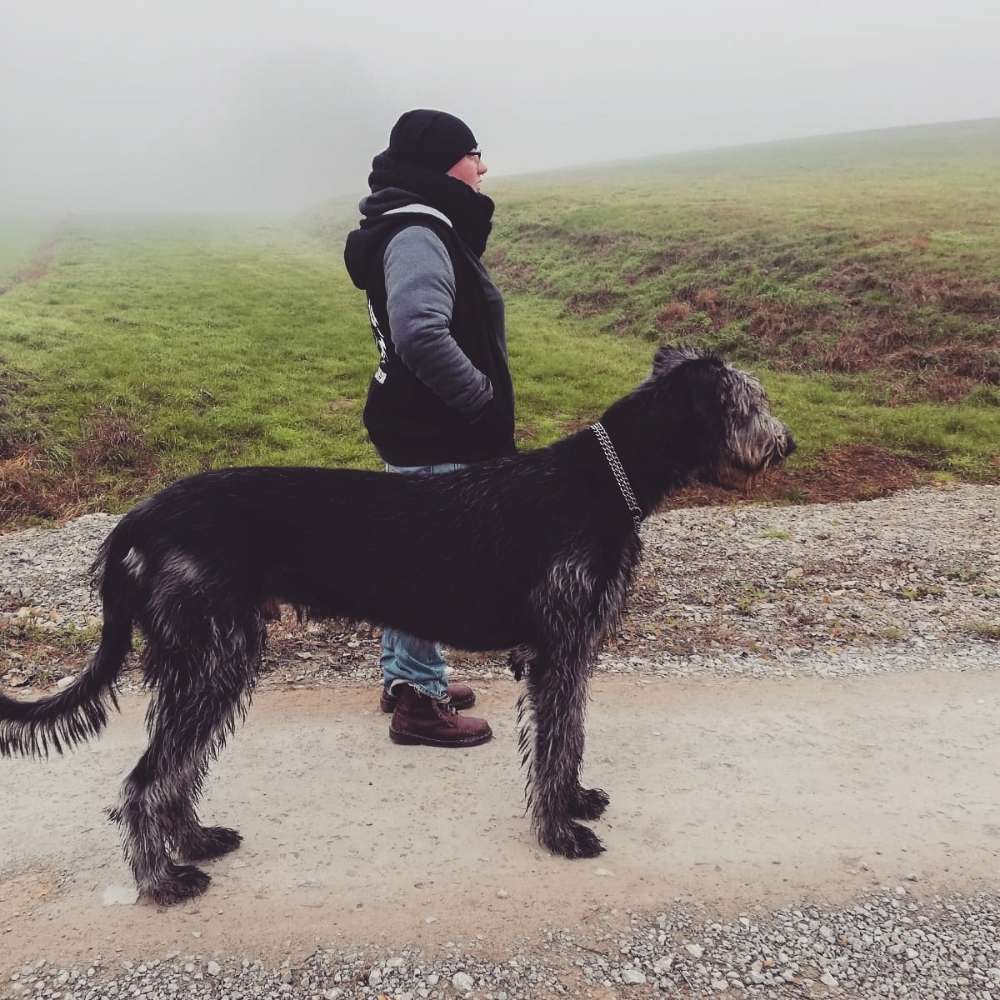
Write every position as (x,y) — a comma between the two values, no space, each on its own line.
(120,895)
(463,982)
(47,568)
(797,590)
(941,948)
(881,946)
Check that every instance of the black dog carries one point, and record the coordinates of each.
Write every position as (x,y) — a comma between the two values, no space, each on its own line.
(533,553)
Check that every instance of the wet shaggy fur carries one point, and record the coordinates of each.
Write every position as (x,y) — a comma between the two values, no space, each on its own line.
(533,553)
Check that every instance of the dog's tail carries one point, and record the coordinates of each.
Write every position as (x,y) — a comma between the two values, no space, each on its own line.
(61,721)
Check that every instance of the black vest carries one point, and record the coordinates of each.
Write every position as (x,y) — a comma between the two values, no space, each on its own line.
(406,421)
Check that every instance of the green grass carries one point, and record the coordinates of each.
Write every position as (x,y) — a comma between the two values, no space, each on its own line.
(875,253)
(226,346)
(776,535)
(219,345)
(184,345)
(20,238)
(824,412)
(223,346)
(961,438)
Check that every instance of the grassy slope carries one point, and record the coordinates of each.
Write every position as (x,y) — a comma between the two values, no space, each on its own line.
(20,238)
(220,344)
(151,350)
(876,254)
(147,352)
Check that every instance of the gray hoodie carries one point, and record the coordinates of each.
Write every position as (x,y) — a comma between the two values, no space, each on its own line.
(420,286)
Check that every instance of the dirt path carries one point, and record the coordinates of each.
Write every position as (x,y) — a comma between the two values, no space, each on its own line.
(727,792)
(35,269)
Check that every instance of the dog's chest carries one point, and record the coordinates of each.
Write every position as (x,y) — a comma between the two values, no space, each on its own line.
(620,582)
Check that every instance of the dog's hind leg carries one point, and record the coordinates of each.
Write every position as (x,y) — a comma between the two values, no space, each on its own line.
(194,842)
(197,701)
(589,803)
(144,815)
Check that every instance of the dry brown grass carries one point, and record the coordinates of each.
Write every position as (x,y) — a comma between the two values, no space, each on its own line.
(673,313)
(593,303)
(954,292)
(112,442)
(36,269)
(850,472)
(112,464)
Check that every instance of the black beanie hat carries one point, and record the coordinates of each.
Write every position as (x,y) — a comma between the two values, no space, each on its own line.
(431,139)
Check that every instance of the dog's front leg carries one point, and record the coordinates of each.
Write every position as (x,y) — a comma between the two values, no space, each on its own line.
(557,696)
(585,803)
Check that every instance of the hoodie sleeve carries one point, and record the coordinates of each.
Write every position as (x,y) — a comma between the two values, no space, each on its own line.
(420,286)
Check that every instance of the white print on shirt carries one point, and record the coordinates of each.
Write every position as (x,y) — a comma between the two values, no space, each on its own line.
(381,373)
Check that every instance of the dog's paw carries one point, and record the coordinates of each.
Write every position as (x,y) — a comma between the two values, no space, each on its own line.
(573,841)
(209,842)
(589,803)
(181,882)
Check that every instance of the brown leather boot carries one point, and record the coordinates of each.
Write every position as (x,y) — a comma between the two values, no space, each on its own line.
(460,695)
(420,719)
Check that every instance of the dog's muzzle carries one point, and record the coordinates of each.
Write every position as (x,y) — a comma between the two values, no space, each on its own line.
(736,475)
(784,446)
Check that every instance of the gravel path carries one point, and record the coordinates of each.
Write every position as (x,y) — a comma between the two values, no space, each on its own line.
(886,945)
(786,838)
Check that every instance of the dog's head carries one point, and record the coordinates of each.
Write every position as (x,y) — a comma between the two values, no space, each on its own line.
(738,437)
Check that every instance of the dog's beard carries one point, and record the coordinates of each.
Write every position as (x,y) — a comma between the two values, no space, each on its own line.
(734,478)
(753,449)
(737,477)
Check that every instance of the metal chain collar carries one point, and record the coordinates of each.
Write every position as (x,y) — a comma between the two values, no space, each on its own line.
(618,472)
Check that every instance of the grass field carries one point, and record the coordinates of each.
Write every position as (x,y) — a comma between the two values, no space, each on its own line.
(874,254)
(21,240)
(138,351)
(148,351)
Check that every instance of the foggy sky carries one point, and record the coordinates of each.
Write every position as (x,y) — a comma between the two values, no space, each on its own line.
(274,107)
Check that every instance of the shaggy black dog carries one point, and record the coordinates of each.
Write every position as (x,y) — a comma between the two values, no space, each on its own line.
(533,553)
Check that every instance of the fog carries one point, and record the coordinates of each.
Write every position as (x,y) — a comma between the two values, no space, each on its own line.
(273,108)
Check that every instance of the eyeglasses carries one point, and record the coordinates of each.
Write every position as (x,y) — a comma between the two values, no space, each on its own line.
(477,153)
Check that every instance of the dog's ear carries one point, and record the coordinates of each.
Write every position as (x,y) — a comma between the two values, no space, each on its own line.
(703,386)
(667,359)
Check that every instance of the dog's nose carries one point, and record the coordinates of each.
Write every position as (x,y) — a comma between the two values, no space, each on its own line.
(789,443)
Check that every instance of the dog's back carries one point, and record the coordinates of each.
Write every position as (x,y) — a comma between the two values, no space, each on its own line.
(451,556)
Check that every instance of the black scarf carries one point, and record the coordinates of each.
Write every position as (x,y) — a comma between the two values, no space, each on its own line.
(469,211)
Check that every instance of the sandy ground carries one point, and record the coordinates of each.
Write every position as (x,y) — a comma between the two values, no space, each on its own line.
(732,793)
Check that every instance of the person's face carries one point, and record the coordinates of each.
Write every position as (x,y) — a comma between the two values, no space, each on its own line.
(469,170)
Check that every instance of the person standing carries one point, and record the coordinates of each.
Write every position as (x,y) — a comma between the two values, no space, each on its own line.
(442,395)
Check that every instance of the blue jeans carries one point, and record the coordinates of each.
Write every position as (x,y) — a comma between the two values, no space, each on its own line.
(405,658)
